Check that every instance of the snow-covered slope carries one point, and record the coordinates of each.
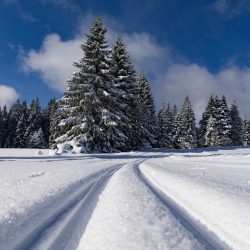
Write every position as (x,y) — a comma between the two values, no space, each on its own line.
(154,199)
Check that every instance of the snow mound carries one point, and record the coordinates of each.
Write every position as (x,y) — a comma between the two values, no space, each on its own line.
(71,147)
(38,174)
(39,152)
(52,153)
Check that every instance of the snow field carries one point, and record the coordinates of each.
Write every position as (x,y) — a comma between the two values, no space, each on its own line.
(151,199)
(36,190)
(129,216)
(212,191)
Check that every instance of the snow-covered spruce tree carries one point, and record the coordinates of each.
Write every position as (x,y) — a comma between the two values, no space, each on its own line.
(20,139)
(13,118)
(246,132)
(175,111)
(47,115)
(54,129)
(175,124)
(34,120)
(149,128)
(89,107)
(202,130)
(37,139)
(212,133)
(1,126)
(126,86)
(236,123)
(186,131)
(5,131)
(165,127)
(224,123)
(220,123)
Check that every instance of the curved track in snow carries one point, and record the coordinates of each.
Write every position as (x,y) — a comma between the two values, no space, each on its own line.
(205,237)
(66,220)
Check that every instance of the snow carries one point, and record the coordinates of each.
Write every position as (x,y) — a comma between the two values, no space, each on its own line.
(34,188)
(151,199)
(129,216)
(209,188)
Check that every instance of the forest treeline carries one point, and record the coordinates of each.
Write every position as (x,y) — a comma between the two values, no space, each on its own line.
(109,107)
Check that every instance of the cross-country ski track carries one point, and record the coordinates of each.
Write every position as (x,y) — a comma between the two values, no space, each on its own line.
(138,200)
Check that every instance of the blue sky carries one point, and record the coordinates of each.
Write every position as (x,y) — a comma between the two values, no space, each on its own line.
(186,47)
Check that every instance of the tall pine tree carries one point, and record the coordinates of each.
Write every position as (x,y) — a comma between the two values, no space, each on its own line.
(5,130)
(127,87)
(202,130)
(165,127)
(1,126)
(14,116)
(246,132)
(92,117)
(223,123)
(236,123)
(186,131)
(34,120)
(149,128)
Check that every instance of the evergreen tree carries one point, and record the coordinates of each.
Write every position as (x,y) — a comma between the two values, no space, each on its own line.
(212,133)
(47,115)
(5,130)
(34,120)
(13,117)
(220,123)
(224,123)
(175,111)
(149,128)
(202,130)
(186,131)
(20,140)
(55,118)
(175,124)
(89,107)
(246,132)
(126,86)
(165,127)
(1,126)
(37,139)
(236,123)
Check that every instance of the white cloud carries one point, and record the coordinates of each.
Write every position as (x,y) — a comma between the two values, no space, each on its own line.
(8,95)
(196,81)
(54,60)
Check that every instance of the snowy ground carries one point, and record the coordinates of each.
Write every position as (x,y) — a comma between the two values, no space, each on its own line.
(154,199)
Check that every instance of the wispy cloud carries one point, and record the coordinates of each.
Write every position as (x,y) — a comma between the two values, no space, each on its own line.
(221,6)
(64,4)
(230,9)
(22,13)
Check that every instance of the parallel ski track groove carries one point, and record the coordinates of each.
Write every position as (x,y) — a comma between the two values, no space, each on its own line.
(30,241)
(186,222)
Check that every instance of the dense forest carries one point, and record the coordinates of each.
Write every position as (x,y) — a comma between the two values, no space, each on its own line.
(109,107)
